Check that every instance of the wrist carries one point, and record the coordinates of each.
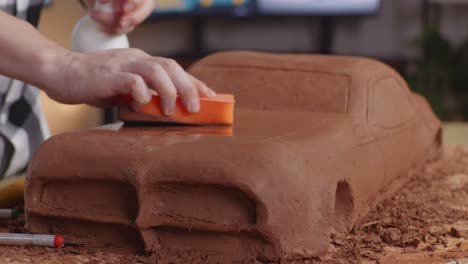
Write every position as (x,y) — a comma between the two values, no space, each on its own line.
(51,63)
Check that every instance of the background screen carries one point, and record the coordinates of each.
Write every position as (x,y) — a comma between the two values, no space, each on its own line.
(265,7)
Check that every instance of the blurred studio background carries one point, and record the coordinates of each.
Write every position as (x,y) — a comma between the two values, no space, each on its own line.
(425,40)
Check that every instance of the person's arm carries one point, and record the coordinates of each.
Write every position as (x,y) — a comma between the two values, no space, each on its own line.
(93,78)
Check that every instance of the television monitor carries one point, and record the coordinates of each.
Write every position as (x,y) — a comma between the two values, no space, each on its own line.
(317,7)
(265,7)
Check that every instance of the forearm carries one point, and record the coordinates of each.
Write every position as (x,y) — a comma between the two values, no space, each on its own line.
(25,54)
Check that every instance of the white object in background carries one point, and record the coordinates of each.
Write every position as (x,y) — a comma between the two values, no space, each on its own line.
(112,126)
(87,36)
(318,7)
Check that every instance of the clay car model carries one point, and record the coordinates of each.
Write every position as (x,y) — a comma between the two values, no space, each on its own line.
(317,140)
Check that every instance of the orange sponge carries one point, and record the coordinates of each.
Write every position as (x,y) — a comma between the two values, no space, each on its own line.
(218,110)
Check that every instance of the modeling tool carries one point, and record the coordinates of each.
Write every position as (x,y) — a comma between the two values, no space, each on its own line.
(9,213)
(16,239)
(217,110)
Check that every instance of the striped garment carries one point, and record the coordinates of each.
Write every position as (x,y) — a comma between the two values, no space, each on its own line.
(22,123)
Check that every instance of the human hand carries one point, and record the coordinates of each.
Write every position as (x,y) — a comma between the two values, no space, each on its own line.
(127,14)
(98,78)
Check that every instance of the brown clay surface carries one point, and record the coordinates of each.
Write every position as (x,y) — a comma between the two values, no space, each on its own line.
(413,226)
(317,142)
(425,222)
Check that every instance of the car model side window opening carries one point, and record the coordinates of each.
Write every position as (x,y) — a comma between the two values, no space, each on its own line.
(389,103)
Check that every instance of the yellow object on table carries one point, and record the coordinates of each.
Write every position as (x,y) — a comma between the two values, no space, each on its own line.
(11,190)
(455,133)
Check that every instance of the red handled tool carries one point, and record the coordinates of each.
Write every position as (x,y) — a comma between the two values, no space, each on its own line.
(15,239)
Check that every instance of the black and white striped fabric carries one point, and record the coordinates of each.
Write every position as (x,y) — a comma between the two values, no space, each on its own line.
(22,123)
